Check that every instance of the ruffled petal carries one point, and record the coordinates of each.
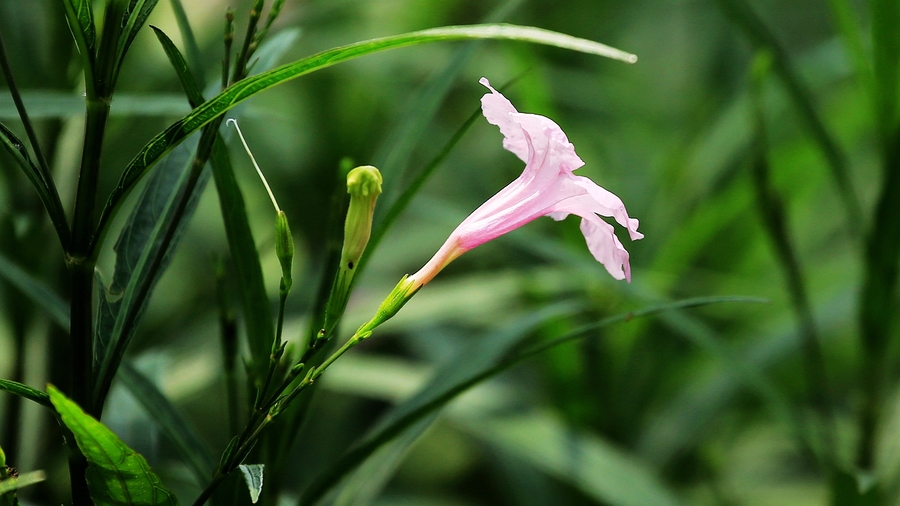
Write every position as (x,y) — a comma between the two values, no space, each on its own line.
(605,246)
(608,204)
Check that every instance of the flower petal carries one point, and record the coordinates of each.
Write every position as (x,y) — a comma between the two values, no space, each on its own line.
(497,109)
(608,204)
(605,246)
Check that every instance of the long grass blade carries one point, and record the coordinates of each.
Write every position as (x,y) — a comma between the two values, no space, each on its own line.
(743,16)
(251,86)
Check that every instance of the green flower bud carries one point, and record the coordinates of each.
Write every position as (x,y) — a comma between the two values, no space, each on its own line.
(364,187)
(284,248)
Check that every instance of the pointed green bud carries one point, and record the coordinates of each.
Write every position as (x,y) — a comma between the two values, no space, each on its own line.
(284,248)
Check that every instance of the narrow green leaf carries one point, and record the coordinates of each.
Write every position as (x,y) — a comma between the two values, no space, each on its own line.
(179,64)
(41,294)
(253,477)
(246,88)
(44,104)
(45,189)
(596,467)
(25,391)
(886,52)
(80,16)
(475,364)
(190,41)
(135,16)
(742,15)
(254,299)
(257,311)
(143,251)
(116,474)
(365,484)
(449,381)
(177,429)
(393,155)
(23,480)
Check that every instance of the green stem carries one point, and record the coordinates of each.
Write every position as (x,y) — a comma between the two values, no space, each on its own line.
(81,265)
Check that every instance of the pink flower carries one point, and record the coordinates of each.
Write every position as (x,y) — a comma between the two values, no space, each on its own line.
(547,187)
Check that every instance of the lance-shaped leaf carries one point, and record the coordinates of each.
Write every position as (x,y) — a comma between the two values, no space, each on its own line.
(116,474)
(25,391)
(142,255)
(45,189)
(254,300)
(80,16)
(246,88)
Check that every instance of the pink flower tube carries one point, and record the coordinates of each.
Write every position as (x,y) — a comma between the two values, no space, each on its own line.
(547,187)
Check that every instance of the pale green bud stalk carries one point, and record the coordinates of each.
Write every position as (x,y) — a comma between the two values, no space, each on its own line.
(395,300)
(364,187)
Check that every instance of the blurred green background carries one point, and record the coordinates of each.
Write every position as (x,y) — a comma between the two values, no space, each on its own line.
(687,401)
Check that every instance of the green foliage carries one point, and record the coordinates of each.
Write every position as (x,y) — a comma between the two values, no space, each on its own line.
(758,147)
(253,477)
(116,475)
(232,96)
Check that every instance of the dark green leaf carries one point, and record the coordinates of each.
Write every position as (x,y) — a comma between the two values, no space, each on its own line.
(886,51)
(45,189)
(179,431)
(25,391)
(37,291)
(256,309)
(116,474)
(80,16)
(188,84)
(245,259)
(135,16)
(246,88)
(142,255)
(851,489)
